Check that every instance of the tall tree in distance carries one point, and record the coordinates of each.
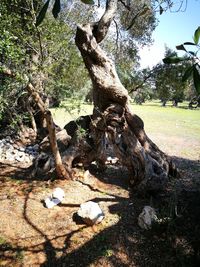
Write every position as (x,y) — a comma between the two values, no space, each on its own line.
(168,80)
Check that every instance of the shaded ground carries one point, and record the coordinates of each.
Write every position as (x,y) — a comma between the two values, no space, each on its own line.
(31,235)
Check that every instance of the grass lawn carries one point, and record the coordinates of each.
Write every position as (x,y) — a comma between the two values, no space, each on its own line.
(175,130)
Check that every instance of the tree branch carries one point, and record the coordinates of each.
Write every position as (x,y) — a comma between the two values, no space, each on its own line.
(100,28)
(60,169)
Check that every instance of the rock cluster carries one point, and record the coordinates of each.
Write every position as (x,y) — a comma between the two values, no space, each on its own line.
(15,152)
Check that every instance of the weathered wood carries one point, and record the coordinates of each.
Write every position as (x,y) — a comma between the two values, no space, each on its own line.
(113,122)
(60,169)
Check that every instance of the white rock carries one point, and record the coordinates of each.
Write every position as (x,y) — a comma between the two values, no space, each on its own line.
(146,217)
(56,198)
(58,193)
(91,213)
(51,202)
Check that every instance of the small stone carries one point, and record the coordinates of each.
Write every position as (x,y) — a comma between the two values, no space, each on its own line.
(58,193)
(91,213)
(10,156)
(146,217)
(56,198)
(8,146)
(50,202)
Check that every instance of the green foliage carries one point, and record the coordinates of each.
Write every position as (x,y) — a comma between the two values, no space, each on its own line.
(56,8)
(187,74)
(62,63)
(194,70)
(140,21)
(14,57)
(50,59)
(197,35)
(42,13)
(173,60)
(196,78)
(168,78)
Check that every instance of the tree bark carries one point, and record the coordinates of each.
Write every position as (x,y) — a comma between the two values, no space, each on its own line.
(60,169)
(113,124)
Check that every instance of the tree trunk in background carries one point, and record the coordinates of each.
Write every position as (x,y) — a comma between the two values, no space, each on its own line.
(60,169)
(113,124)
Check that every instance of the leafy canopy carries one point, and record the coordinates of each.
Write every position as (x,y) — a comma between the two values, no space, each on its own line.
(193,71)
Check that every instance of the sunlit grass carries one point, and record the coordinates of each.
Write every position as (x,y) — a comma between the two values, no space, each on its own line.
(70,112)
(175,130)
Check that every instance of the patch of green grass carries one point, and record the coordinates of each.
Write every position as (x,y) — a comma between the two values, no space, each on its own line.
(63,115)
(169,119)
(169,127)
(2,241)
(107,252)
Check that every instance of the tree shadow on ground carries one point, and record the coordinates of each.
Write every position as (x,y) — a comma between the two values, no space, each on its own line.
(173,242)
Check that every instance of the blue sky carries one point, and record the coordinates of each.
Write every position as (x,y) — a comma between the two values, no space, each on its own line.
(173,29)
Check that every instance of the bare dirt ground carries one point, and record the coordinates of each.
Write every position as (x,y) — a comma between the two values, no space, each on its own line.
(32,235)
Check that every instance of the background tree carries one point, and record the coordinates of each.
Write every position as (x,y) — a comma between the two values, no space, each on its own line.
(191,58)
(168,81)
(50,60)
(14,59)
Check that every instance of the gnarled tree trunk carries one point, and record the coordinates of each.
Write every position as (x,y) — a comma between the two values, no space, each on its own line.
(113,124)
(112,128)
